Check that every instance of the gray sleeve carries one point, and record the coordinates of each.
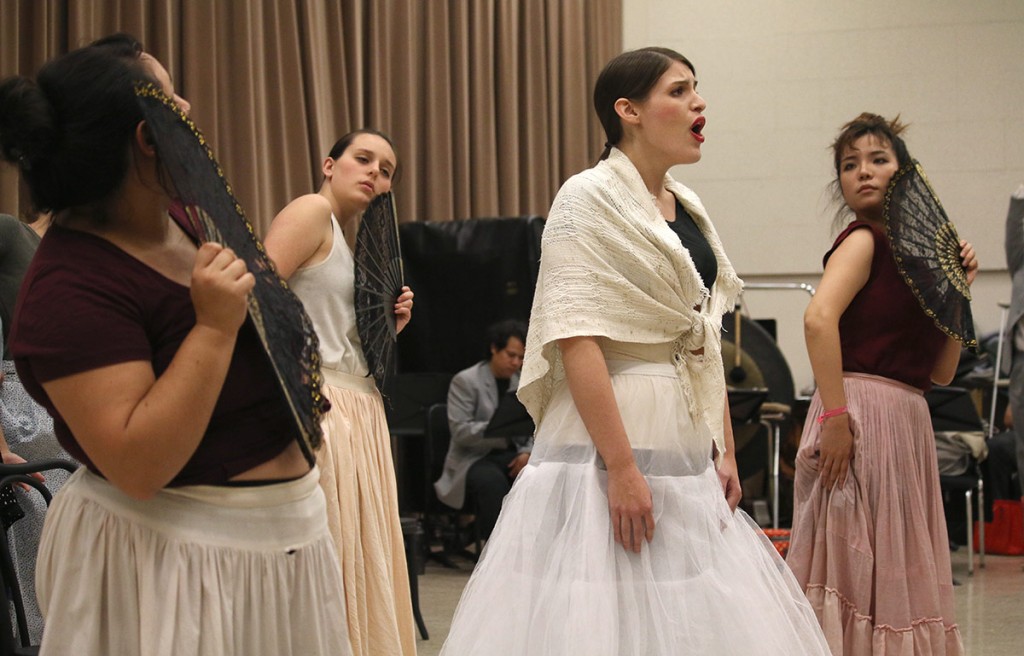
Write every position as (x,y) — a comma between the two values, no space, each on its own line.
(463,397)
(1015,234)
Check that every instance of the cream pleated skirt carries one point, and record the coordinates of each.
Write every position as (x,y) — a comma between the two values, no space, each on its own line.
(873,555)
(358,480)
(197,571)
(552,581)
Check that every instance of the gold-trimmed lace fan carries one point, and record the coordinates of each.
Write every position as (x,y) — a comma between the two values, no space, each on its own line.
(927,251)
(285,330)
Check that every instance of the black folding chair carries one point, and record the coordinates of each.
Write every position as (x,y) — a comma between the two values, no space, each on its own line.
(11,643)
(443,519)
(953,409)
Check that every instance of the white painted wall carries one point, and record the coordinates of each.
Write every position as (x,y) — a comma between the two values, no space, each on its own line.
(781,76)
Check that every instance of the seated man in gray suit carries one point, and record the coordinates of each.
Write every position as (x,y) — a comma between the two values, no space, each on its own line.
(477,467)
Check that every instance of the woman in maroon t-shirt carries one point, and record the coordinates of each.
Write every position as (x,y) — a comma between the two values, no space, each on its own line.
(869,537)
(196,525)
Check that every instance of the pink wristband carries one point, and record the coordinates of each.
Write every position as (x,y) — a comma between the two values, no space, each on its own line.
(841,410)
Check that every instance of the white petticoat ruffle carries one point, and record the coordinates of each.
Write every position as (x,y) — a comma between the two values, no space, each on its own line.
(553,581)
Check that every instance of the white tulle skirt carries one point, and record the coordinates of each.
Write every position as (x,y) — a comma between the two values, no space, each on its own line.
(553,581)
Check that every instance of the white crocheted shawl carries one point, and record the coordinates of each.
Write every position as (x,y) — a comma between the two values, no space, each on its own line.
(612,267)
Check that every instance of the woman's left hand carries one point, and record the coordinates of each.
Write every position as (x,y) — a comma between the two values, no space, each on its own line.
(517,465)
(11,458)
(403,309)
(969,260)
(728,476)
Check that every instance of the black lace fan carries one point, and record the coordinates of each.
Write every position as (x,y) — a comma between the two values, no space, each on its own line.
(927,251)
(379,276)
(284,328)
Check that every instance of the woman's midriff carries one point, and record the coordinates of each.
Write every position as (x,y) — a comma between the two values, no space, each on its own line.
(288,464)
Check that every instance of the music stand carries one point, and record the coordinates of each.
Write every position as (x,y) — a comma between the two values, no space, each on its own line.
(745,410)
(510,419)
(409,396)
(745,404)
(953,410)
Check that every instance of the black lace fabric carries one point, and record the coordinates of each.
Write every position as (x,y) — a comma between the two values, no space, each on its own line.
(927,251)
(284,328)
(379,275)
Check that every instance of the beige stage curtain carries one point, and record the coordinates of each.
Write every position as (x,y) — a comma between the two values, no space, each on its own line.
(488,101)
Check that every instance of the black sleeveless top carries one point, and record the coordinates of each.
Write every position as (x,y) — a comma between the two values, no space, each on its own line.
(694,241)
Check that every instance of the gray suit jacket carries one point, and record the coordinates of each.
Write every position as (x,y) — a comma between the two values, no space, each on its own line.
(472,400)
(1015,264)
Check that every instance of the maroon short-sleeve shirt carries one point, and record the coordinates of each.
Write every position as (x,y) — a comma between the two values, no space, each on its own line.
(87,304)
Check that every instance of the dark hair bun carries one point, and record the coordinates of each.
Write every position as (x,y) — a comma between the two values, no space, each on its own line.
(26,122)
(70,130)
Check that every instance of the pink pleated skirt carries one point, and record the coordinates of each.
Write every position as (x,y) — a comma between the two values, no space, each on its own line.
(873,556)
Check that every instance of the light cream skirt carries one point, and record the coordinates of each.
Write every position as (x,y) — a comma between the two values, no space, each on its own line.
(358,480)
(197,570)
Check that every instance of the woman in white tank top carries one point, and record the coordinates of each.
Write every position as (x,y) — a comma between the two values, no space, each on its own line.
(310,242)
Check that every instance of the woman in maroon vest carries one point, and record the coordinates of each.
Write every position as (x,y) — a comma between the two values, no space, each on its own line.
(869,537)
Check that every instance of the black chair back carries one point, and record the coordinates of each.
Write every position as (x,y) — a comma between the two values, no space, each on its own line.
(953,409)
(11,643)
(441,520)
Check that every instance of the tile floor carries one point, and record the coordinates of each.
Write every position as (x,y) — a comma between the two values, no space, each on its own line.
(990,604)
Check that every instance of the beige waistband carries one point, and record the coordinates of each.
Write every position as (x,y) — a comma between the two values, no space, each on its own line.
(336,378)
(637,368)
(274,516)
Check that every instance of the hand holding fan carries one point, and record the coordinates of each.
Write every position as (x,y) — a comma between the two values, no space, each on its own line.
(284,328)
(379,276)
(927,251)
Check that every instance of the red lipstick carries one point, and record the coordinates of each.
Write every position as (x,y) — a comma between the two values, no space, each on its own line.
(697,127)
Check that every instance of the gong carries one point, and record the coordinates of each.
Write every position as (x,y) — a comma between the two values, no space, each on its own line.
(758,365)
(761,363)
